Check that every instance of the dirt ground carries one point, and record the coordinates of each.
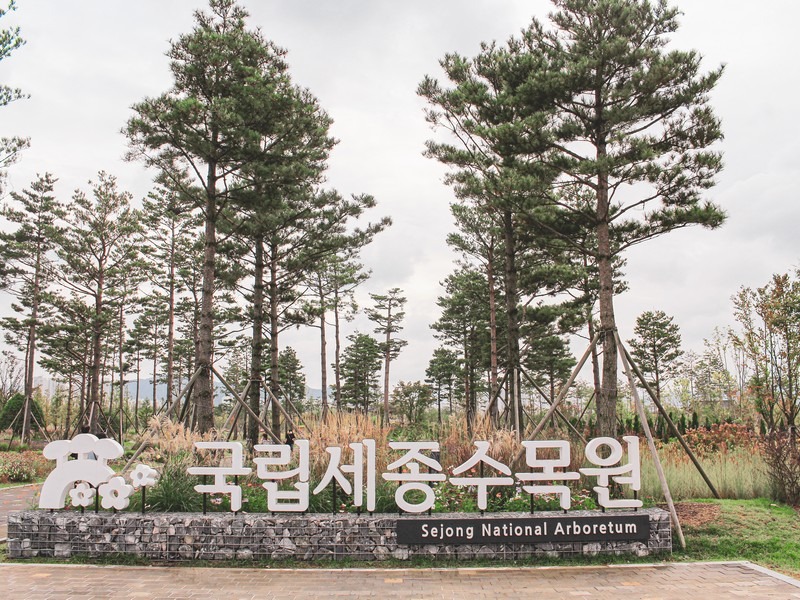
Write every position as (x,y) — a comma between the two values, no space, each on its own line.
(696,514)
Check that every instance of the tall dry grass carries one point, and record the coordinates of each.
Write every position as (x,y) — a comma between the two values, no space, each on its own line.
(737,473)
(170,438)
(341,429)
(457,446)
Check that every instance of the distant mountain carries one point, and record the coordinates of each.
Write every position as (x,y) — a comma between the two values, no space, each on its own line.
(48,387)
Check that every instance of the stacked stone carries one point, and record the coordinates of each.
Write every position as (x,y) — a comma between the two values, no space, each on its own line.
(312,537)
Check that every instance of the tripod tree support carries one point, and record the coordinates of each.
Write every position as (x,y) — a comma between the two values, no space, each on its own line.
(650,443)
(170,407)
(246,406)
(670,422)
(561,395)
(560,415)
(233,418)
(564,389)
(285,414)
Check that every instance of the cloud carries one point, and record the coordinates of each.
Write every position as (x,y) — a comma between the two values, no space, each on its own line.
(86,63)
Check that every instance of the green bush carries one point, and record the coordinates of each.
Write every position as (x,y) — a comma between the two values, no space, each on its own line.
(12,408)
(175,491)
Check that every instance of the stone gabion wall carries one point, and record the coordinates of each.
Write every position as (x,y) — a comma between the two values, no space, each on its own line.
(218,536)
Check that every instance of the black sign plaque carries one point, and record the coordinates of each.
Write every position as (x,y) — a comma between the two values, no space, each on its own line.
(527,530)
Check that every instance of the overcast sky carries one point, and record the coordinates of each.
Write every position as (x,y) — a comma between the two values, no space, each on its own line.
(87,61)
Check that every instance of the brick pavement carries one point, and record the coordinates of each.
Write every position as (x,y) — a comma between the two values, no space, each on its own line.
(662,581)
(21,497)
(667,581)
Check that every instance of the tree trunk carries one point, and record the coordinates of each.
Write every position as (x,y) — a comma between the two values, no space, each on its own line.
(323,348)
(138,381)
(590,325)
(468,385)
(68,418)
(493,387)
(257,348)
(607,401)
(155,375)
(512,311)
(274,374)
(338,350)
(30,355)
(387,358)
(120,342)
(203,394)
(439,401)
(84,393)
(171,323)
(97,353)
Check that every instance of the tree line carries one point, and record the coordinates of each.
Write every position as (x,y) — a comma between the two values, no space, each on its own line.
(570,143)
(237,237)
(582,136)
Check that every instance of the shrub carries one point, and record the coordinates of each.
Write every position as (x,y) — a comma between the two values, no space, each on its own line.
(721,436)
(782,457)
(12,408)
(175,491)
(22,467)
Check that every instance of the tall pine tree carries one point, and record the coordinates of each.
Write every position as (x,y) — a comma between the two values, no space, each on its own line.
(227,109)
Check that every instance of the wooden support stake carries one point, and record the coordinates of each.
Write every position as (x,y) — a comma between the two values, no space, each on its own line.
(671,424)
(233,417)
(294,409)
(561,415)
(585,408)
(235,414)
(150,432)
(246,406)
(565,388)
(650,443)
(561,395)
(285,414)
(496,394)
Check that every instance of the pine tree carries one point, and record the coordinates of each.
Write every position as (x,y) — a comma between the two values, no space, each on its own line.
(410,399)
(644,114)
(333,281)
(27,253)
(463,326)
(361,363)
(657,348)
(170,234)
(10,147)
(290,241)
(229,104)
(387,314)
(99,250)
(594,102)
(293,380)
(480,240)
(66,337)
(442,373)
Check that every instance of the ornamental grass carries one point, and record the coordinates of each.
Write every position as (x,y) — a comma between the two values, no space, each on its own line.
(737,471)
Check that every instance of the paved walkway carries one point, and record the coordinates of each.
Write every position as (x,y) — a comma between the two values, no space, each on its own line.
(665,582)
(20,497)
(669,581)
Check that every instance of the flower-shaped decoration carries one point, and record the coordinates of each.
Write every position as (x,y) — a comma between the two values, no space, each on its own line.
(82,494)
(115,493)
(143,476)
